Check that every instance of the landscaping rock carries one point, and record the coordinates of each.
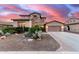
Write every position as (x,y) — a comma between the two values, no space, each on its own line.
(16,33)
(3,37)
(30,39)
(39,39)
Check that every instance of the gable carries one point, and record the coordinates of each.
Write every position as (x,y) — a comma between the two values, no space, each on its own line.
(35,16)
(73,20)
(54,24)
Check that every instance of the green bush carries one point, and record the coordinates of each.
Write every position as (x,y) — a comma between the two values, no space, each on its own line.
(12,30)
(26,28)
(33,31)
(8,30)
(21,29)
(18,29)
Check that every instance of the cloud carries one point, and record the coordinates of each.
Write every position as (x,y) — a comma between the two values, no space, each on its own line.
(5,13)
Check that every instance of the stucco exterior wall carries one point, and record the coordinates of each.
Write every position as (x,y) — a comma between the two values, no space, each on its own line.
(36,19)
(73,21)
(28,24)
(29,20)
(24,24)
(55,24)
(15,24)
(74,28)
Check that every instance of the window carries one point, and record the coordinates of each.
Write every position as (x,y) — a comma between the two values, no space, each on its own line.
(34,15)
(74,20)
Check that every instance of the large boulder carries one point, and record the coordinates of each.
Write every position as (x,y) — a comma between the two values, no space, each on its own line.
(3,37)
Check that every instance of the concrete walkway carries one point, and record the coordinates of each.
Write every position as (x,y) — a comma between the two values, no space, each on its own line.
(69,42)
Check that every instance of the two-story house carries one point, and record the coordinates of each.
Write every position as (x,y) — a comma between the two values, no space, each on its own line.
(73,24)
(29,20)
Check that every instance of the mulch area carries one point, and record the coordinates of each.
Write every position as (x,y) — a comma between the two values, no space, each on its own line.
(19,43)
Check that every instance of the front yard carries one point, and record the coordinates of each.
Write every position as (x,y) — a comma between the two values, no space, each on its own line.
(19,43)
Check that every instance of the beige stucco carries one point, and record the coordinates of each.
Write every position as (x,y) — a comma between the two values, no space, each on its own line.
(55,24)
(73,23)
(31,20)
(74,28)
(24,24)
(73,20)
(15,24)
(27,24)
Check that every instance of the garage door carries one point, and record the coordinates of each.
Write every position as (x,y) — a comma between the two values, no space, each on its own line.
(54,28)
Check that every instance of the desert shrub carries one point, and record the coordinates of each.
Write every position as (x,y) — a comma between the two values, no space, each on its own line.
(33,32)
(35,28)
(1,32)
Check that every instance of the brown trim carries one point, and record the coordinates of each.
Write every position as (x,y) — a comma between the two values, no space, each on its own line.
(21,19)
(72,24)
(35,13)
(24,15)
(54,21)
(74,18)
(6,25)
(43,17)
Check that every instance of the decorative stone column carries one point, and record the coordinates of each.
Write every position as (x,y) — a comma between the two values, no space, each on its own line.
(62,28)
(46,28)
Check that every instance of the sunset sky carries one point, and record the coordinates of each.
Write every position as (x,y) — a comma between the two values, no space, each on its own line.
(57,12)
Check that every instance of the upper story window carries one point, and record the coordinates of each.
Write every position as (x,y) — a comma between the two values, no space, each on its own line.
(74,20)
(34,15)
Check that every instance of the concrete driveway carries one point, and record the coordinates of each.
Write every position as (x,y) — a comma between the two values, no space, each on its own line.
(69,42)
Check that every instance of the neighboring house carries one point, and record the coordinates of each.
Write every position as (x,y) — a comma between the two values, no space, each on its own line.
(54,26)
(6,24)
(29,20)
(73,24)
